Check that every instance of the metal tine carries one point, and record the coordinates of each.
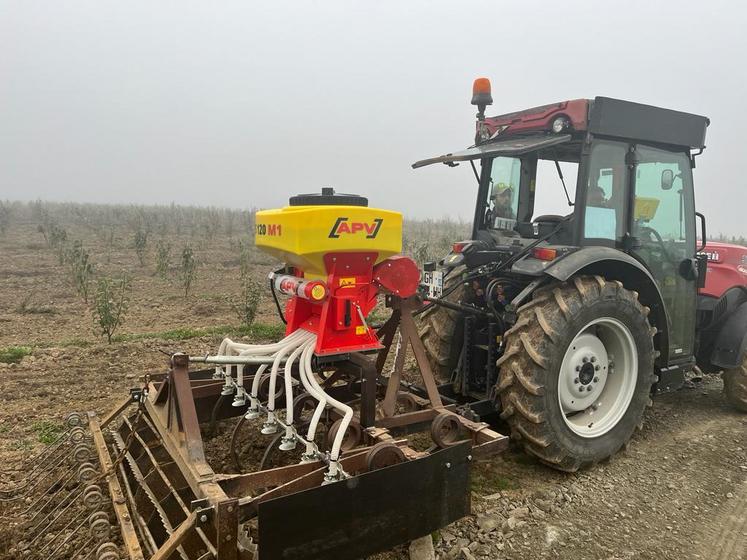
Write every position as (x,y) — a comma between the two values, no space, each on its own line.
(39,462)
(71,497)
(75,532)
(51,496)
(91,552)
(38,481)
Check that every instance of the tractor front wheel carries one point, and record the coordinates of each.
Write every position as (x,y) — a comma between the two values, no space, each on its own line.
(735,386)
(576,375)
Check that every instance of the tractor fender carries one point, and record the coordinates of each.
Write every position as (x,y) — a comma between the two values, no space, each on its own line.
(731,340)
(616,265)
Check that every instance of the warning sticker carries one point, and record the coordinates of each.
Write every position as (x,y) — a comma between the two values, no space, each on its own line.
(346,282)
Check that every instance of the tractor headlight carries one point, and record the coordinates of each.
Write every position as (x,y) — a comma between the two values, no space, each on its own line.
(560,124)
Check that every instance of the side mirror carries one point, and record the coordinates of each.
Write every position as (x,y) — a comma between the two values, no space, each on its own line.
(667,179)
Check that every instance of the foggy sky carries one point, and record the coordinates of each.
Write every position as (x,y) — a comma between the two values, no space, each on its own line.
(243,104)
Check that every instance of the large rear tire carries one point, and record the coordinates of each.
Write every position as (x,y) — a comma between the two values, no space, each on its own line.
(735,386)
(576,375)
(442,329)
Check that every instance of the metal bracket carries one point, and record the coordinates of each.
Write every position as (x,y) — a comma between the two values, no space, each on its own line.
(204,511)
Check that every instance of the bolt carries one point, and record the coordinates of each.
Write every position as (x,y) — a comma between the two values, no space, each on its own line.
(581,388)
(448,465)
(576,381)
(596,380)
(611,364)
(589,388)
(203,518)
(578,368)
(469,457)
(596,367)
(228,538)
(584,359)
(593,359)
(230,509)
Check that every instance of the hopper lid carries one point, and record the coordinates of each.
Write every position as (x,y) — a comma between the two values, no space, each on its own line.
(328,197)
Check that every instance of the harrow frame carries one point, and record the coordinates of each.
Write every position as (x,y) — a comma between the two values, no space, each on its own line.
(170,503)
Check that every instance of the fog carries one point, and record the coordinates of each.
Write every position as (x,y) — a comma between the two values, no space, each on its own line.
(244,104)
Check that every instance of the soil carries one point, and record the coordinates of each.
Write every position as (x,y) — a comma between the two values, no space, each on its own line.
(679,491)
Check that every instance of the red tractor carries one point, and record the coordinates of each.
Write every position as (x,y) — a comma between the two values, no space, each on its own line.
(566,323)
(722,314)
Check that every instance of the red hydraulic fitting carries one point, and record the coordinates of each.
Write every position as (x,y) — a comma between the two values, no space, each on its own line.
(313,290)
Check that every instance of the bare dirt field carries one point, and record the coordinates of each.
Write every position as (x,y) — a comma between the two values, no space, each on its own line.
(679,491)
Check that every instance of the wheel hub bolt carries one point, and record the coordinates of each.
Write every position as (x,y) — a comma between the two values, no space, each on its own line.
(596,367)
(596,380)
(589,388)
(578,368)
(593,359)
(576,381)
(584,359)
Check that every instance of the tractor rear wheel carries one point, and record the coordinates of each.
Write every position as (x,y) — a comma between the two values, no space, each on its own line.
(576,375)
(442,329)
(735,386)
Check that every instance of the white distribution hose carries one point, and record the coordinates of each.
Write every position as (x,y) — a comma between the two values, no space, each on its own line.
(228,348)
(342,407)
(277,347)
(289,382)
(306,336)
(299,343)
(289,441)
(318,395)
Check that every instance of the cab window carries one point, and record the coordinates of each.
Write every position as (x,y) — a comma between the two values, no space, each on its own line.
(503,193)
(604,208)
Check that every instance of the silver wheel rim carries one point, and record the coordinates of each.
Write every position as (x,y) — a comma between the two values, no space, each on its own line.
(597,377)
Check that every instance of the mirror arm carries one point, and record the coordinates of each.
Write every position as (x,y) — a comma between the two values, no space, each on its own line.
(702,231)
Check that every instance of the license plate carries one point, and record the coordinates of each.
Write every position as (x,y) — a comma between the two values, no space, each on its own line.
(434,281)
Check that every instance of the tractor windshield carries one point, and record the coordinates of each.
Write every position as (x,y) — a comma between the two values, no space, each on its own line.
(503,199)
(521,189)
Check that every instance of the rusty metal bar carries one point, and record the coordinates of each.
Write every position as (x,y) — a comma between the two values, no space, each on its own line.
(129,536)
(144,531)
(407,418)
(314,478)
(410,332)
(119,409)
(176,538)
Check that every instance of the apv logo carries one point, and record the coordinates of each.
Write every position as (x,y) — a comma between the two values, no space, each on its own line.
(343,225)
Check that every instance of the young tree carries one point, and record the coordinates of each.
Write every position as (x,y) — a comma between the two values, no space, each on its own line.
(248,300)
(141,245)
(163,258)
(187,269)
(81,268)
(112,299)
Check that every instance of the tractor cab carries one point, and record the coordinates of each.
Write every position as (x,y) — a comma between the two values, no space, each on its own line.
(623,174)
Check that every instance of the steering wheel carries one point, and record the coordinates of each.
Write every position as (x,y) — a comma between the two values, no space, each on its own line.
(549,219)
(660,242)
